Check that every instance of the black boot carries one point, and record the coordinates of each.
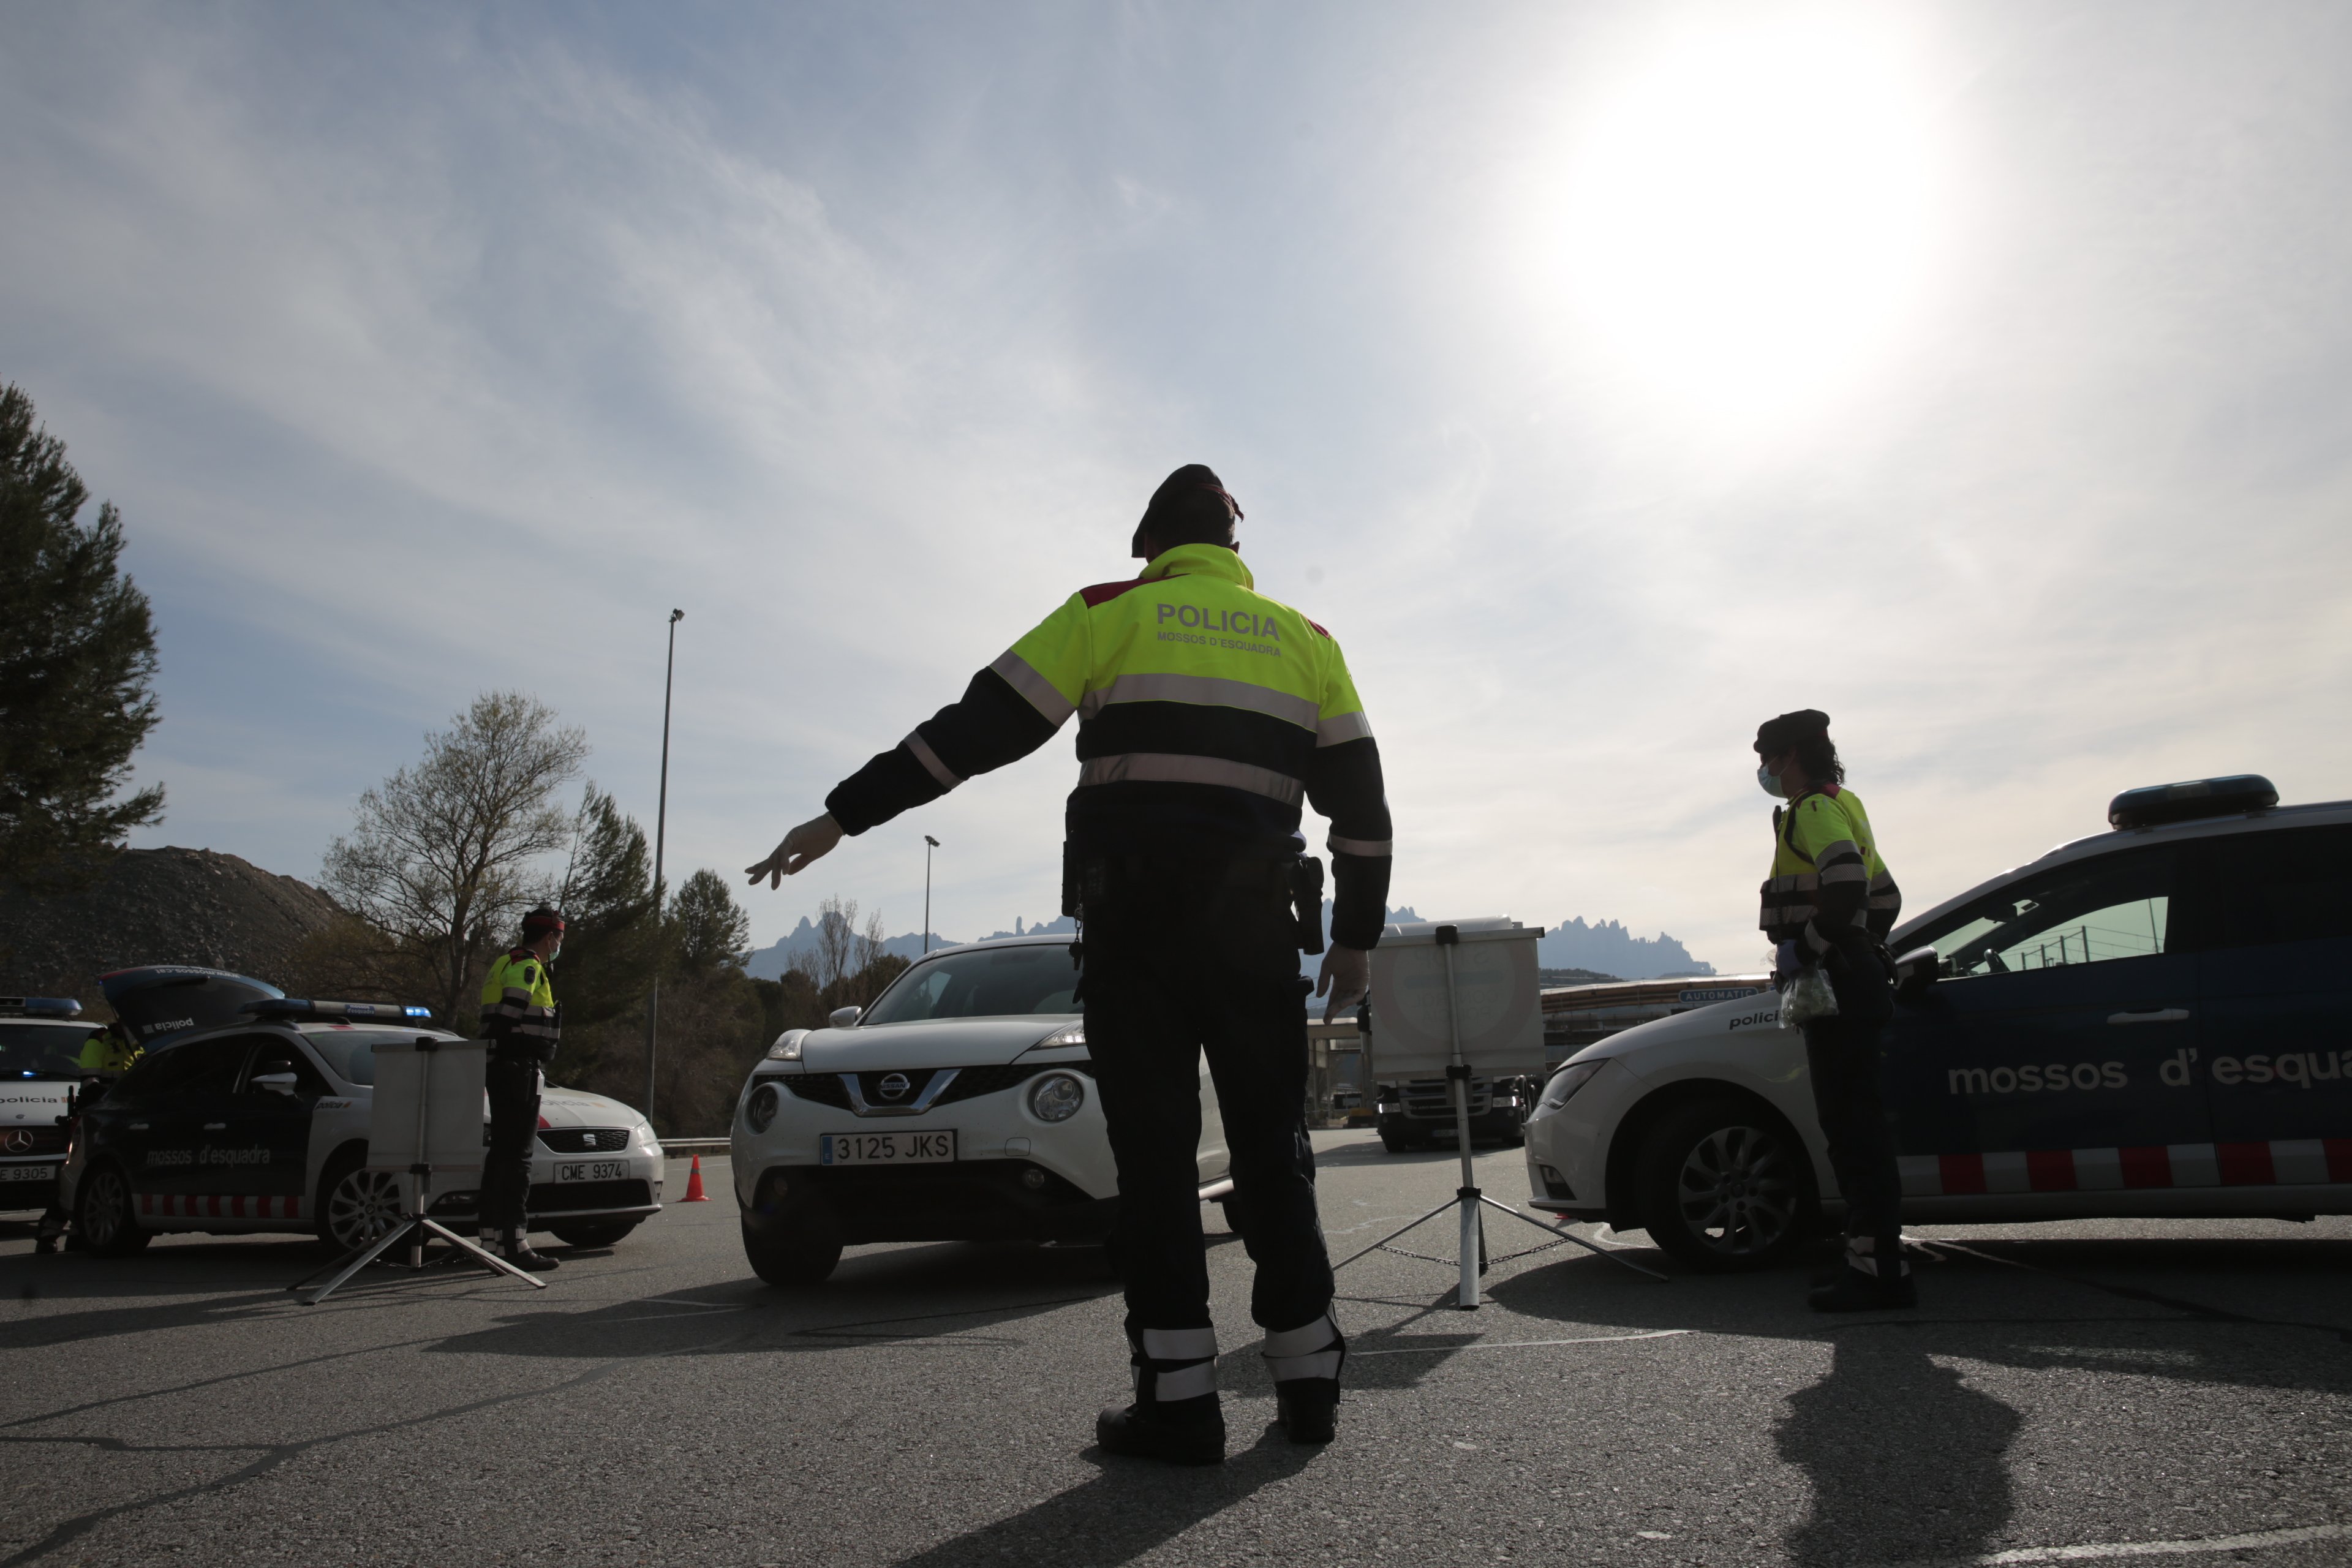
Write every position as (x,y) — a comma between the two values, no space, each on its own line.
(515,1249)
(1188,1432)
(45,1243)
(1309,1408)
(1306,1363)
(1874,1276)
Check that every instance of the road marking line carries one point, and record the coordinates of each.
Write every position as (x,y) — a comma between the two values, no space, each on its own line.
(1525,1345)
(2254,1542)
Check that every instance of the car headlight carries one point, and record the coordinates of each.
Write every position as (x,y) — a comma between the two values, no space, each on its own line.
(787,1047)
(1567,1081)
(1076,1034)
(644,1136)
(761,1109)
(1056,1097)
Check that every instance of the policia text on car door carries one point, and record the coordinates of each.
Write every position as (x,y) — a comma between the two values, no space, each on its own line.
(1208,714)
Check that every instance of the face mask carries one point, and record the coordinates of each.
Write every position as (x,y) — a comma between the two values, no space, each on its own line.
(1770,781)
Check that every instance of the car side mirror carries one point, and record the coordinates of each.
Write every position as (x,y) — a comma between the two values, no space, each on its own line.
(843,1017)
(275,1082)
(1915,972)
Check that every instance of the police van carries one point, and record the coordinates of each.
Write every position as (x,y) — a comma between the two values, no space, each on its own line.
(40,1037)
(2155,1021)
(249,1113)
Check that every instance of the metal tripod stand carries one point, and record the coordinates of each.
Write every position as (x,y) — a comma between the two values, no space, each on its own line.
(1472,1202)
(414,1226)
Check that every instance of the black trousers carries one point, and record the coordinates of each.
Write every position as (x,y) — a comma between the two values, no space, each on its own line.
(1841,1057)
(1177,961)
(513,1083)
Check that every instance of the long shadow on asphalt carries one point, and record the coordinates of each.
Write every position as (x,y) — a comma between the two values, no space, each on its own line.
(1907,1460)
(895,1298)
(1129,1508)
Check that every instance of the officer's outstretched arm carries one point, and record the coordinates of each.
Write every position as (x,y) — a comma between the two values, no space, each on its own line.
(811,841)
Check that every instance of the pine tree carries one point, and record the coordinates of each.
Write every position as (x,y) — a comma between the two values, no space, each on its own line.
(77,659)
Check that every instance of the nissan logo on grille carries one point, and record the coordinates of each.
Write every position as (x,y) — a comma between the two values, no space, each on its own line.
(894,1086)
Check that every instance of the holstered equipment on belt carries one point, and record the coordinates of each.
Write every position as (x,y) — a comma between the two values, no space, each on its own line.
(1091,885)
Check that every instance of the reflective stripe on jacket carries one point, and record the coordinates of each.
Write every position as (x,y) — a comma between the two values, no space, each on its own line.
(1821,841)
(1208,714)
(519,1003)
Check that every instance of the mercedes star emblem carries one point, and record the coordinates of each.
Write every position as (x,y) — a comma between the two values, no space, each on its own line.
(19,1141)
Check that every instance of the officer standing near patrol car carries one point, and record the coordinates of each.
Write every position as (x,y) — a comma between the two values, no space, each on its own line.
(1207,712)
(1831,902)
(522,1023)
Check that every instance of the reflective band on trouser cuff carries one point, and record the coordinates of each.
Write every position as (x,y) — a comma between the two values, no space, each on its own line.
(1861,1255)
(1170,767)
(1312,1350)
(1371,847)
(1341,728)
(1179,1344)
(1022,677)
(930,761)
(1185,1383)
(1202,691)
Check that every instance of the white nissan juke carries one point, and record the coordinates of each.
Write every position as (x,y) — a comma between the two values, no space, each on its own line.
(961,1107)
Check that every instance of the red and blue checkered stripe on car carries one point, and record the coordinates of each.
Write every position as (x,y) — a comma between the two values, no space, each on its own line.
(2284,1162)
(218,1205)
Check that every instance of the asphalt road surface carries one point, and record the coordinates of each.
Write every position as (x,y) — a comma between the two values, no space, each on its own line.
(2079,1386)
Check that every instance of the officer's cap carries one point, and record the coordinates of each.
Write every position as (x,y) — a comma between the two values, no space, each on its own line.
(1775,736)
(1192,506)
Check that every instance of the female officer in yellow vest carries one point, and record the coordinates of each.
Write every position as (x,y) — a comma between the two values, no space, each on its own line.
(1829,901)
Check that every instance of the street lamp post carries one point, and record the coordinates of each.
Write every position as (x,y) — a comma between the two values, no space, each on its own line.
(930,844)
(661,831)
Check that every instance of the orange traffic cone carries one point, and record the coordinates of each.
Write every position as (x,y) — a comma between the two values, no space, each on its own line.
(694,1192)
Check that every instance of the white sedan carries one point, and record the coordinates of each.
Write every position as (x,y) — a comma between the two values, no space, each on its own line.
(961,1107)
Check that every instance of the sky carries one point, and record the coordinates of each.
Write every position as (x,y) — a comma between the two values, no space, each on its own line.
(1606,377)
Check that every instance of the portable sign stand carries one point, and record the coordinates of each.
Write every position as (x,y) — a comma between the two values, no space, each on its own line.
(418,1128)
(1506,1012)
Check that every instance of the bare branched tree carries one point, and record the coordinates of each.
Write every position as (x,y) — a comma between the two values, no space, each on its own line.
(837,941)
(442,857)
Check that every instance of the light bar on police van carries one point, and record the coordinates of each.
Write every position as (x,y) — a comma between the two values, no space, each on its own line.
(292,1007)
(39,1006)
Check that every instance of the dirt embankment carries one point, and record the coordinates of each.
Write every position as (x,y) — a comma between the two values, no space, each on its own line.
(157,906)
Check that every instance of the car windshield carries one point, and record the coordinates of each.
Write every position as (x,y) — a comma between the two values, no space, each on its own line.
(988,983)
(41,1051)
(350,1053)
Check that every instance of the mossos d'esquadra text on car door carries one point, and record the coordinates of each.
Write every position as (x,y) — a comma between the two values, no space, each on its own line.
(2155,1021)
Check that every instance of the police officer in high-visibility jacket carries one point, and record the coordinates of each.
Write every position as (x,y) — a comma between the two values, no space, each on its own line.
(112,1052)
(1207,712)
(1831,902)
(522,1023)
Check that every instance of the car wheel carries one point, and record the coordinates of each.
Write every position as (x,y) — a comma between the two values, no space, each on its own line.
(593,1232)
(356,1206)
(106,1216)
(1723,1187)
(1397,1142)
(790,1253)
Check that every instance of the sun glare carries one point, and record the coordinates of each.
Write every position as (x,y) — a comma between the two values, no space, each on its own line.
(1747,218)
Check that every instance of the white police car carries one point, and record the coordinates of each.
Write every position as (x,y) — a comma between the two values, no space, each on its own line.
(960,1107)
(262,1125)
(39,1038)
(2153,1021)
